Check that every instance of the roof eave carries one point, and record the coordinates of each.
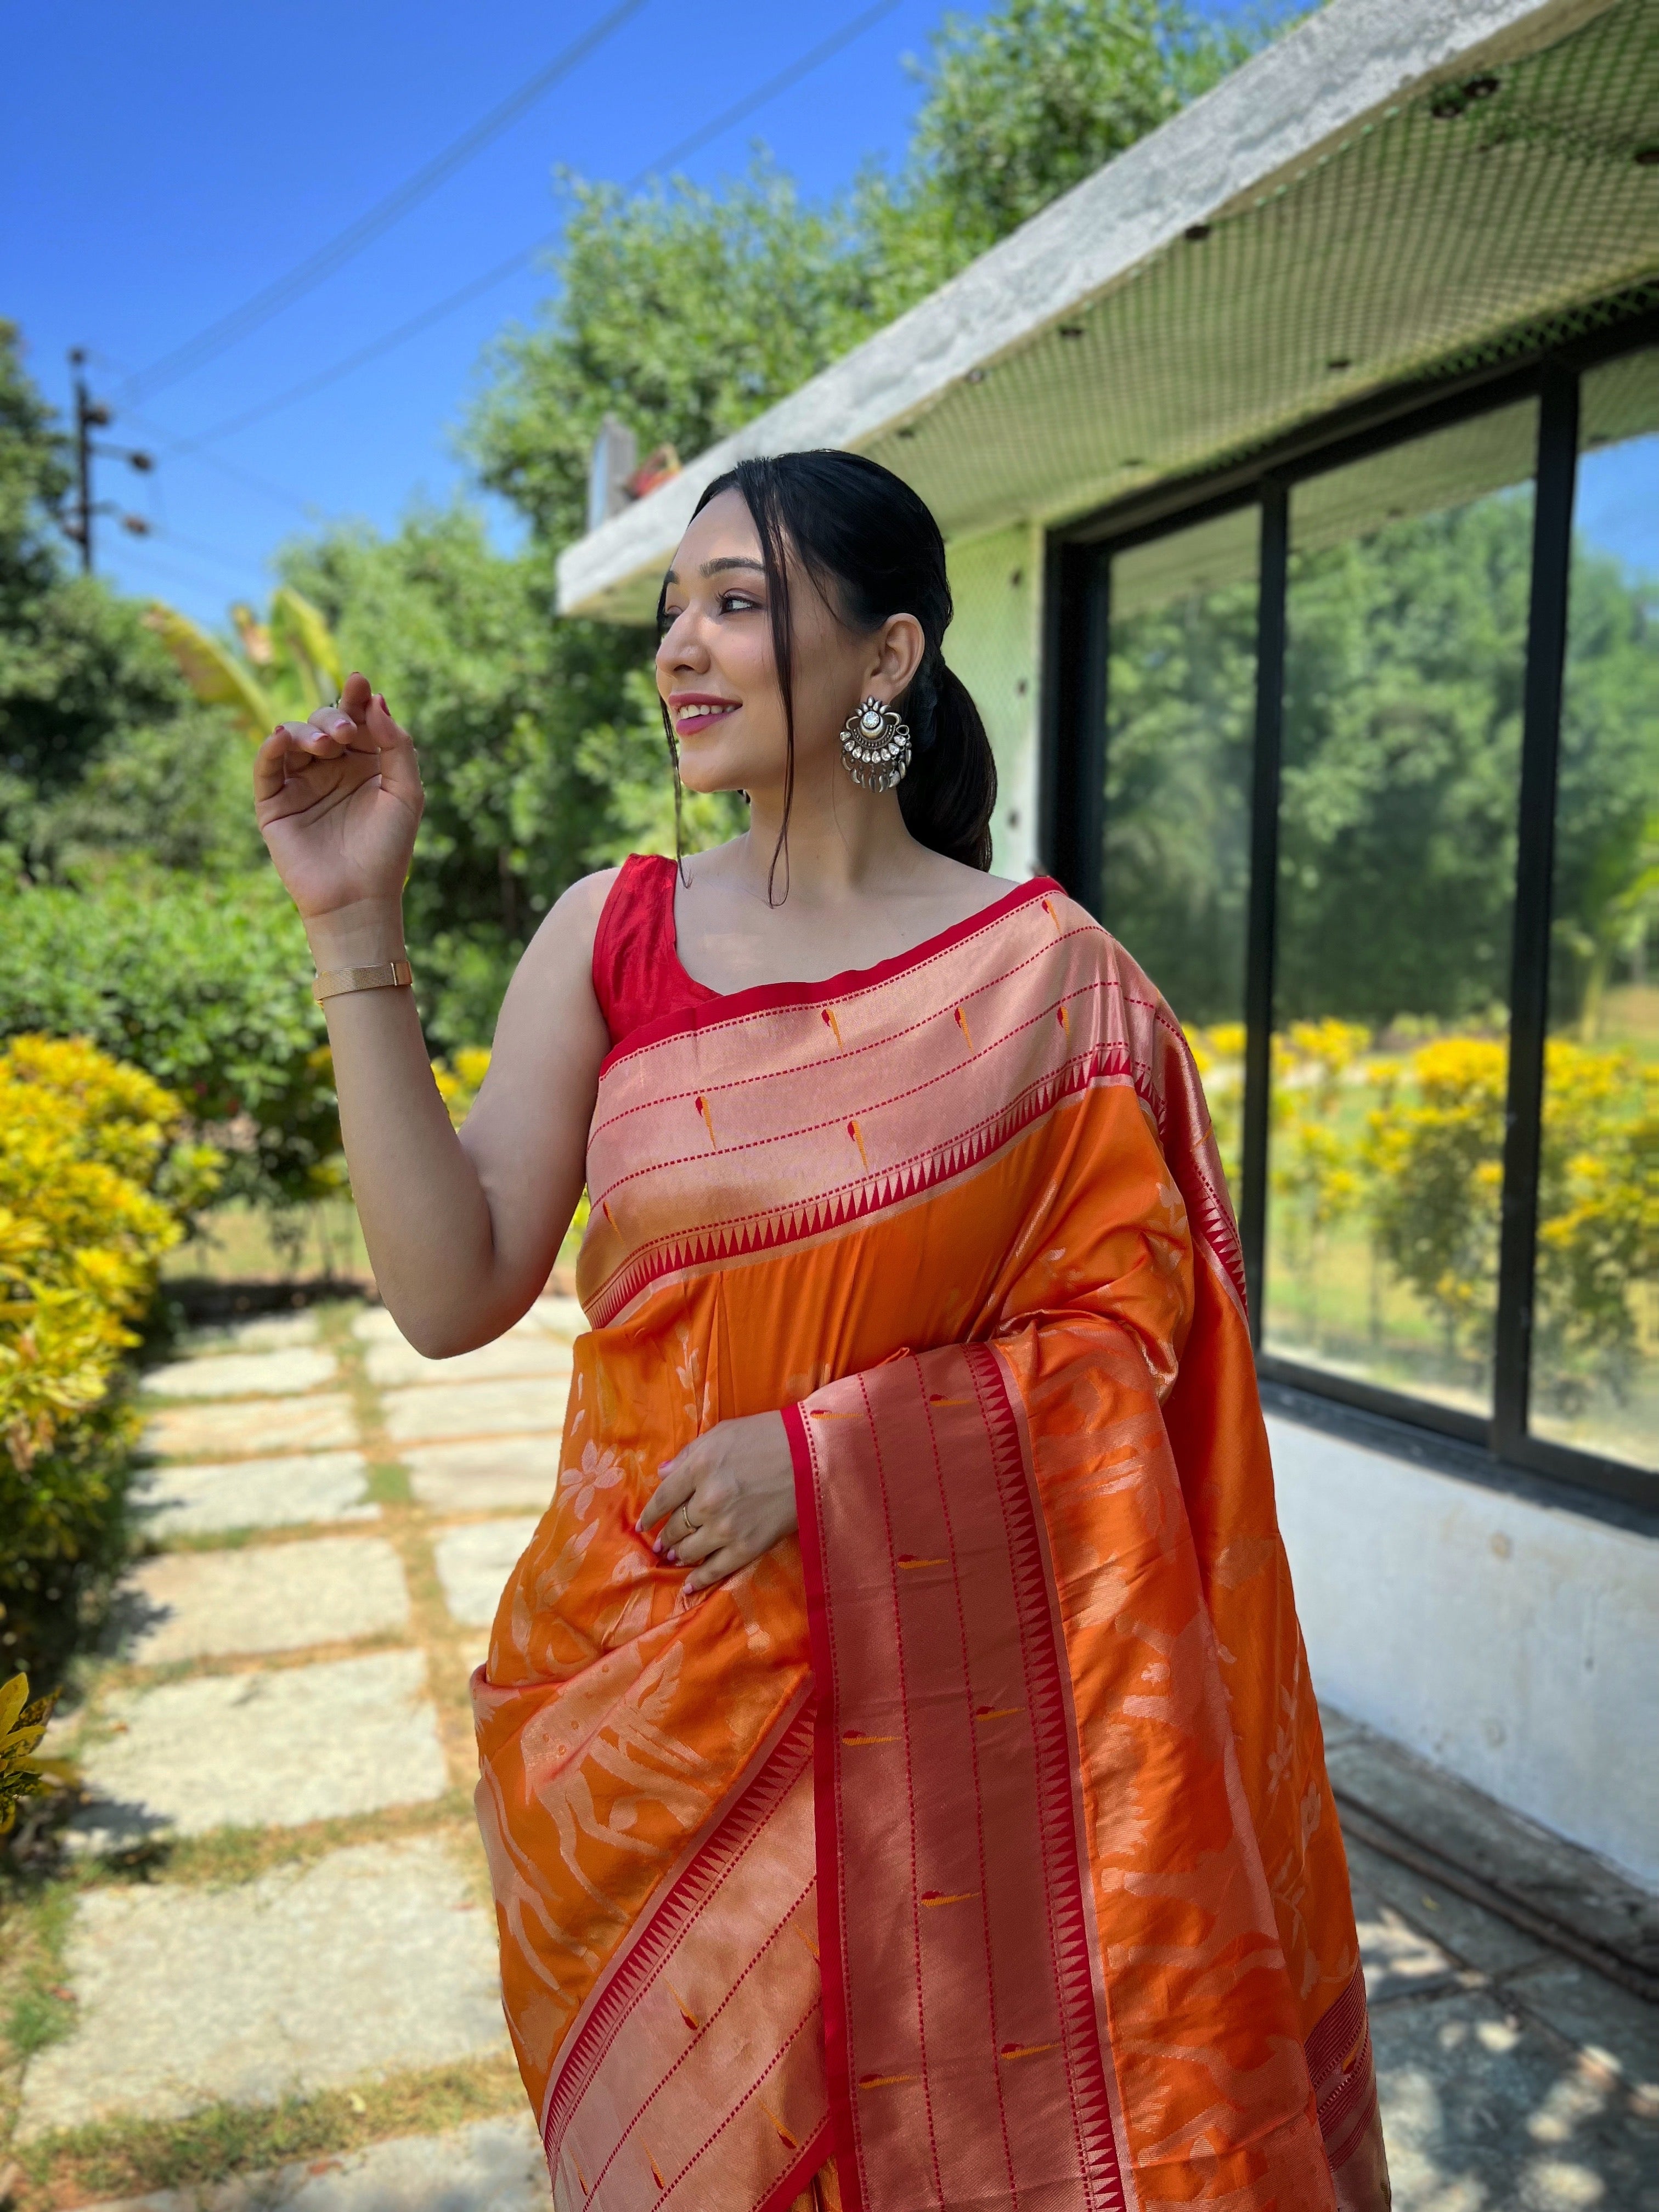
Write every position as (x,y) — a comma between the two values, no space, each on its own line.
(1351,62)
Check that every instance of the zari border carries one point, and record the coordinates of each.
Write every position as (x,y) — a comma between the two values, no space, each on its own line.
(1072,1937)
(725,1007)
(772,1769)
(1343,2072)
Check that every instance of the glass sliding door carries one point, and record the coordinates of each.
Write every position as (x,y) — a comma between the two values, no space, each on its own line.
(1407,616)
(1180,714)
(1595,1369)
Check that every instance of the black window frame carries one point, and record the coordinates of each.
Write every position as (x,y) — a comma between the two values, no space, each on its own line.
(1076,613)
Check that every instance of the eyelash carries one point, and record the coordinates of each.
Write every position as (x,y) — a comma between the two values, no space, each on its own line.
(670,616)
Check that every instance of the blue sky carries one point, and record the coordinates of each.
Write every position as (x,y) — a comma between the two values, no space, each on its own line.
(160,164)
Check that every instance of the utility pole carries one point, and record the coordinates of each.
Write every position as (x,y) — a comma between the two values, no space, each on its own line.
(92,415)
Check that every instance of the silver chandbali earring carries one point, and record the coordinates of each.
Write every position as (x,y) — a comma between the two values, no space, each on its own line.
(875,745)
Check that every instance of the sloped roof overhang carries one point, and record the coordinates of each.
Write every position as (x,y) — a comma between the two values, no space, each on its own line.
(1396,186)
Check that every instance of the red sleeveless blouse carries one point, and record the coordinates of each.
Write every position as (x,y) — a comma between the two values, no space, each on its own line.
(637,975)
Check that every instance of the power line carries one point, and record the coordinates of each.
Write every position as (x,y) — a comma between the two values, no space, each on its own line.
(783,81)
(169,443)
(300,279)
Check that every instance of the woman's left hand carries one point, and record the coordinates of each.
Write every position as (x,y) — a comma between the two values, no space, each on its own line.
(725,1499)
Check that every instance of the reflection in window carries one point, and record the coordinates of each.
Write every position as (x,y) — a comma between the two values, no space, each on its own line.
(1180,697)
(1596,1312)
(1406,626)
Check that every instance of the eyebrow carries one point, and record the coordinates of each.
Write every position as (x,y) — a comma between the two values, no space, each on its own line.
(717,567)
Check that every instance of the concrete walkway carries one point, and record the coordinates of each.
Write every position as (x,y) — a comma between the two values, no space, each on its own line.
(281,1955)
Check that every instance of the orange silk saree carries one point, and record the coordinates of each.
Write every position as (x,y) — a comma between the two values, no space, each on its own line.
(976,1850)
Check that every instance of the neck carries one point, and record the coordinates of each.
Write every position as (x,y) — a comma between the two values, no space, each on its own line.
(842,839)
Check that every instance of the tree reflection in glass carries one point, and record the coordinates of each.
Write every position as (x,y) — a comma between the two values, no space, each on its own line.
(1595,1316)
(1406,626)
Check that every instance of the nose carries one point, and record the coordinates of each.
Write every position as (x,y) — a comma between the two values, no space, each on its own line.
(682,645)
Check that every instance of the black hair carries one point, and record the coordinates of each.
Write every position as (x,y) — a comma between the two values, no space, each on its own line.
(873,549)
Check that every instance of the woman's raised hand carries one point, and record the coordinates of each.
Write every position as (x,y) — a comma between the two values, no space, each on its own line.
(339,800)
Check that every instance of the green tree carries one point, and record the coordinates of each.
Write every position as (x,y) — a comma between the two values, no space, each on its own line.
(685,313)
(1023,104)
(76,664)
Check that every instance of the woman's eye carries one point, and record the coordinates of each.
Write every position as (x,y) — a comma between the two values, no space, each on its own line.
(738,603)
(667,618)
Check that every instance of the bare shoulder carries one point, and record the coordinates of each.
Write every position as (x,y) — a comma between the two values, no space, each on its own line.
(565,937)
(550,1002)
(968,891)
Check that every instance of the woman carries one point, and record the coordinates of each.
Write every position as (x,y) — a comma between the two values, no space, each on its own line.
(899,1773)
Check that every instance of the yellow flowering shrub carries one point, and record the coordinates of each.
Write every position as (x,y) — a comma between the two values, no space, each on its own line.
(95,1180)
(459,1082)
(1598,1233)
(1436,1164)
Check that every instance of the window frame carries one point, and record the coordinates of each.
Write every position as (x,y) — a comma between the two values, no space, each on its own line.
(1076,635)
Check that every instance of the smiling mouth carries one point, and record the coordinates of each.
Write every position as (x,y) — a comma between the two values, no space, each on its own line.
(698,714)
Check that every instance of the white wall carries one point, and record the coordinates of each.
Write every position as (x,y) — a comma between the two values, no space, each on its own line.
(1512,1642)
(996,582)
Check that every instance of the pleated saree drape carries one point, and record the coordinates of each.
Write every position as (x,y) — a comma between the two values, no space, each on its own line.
(980,1840)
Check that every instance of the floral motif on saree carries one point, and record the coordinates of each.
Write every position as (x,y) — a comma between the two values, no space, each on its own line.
(980,1840)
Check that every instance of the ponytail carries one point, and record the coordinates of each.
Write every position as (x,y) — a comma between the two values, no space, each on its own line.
(872,545)
(950,792)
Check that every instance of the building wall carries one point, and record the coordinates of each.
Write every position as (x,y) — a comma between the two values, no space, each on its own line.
(992,645)
(1513,1642)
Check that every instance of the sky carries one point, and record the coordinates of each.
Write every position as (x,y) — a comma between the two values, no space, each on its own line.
(161,164)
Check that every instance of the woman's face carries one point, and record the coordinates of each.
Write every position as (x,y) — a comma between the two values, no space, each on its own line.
(715,669)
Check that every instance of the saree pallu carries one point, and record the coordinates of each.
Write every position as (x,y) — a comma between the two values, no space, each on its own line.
(980,1840)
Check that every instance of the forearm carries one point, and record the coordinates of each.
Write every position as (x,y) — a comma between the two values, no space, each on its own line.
(425,1216)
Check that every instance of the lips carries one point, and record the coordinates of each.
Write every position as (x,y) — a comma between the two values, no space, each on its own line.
(698,710)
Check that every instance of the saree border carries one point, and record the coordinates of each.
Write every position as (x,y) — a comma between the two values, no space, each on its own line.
(1343,2072)
(772,998)
(827,1212)
(1105,2176)
(767,1777)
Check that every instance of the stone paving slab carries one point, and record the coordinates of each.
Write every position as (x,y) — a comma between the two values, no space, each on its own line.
(488,2166)
(192,1499)
(243,1374)
(1427,1806)
(1399,1959)
(1610,2025)
(377,1956)
(515,1354)
(1475,1938)
(438,1411)
(253,1429)
(263,1333)
(1483,2108)
(552,1315)
(474,1563)
(274,1749)
(277,1597)
(493,1471)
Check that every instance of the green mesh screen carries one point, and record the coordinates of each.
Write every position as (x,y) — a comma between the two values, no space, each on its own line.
(1424,241)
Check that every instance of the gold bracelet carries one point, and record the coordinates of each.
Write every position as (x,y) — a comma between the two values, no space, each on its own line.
(393,975)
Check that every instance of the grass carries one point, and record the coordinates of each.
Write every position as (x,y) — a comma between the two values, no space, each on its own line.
(226,1857)
(37,2009)
(131,2157)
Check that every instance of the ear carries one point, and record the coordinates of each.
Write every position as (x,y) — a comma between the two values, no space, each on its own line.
(897,652)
